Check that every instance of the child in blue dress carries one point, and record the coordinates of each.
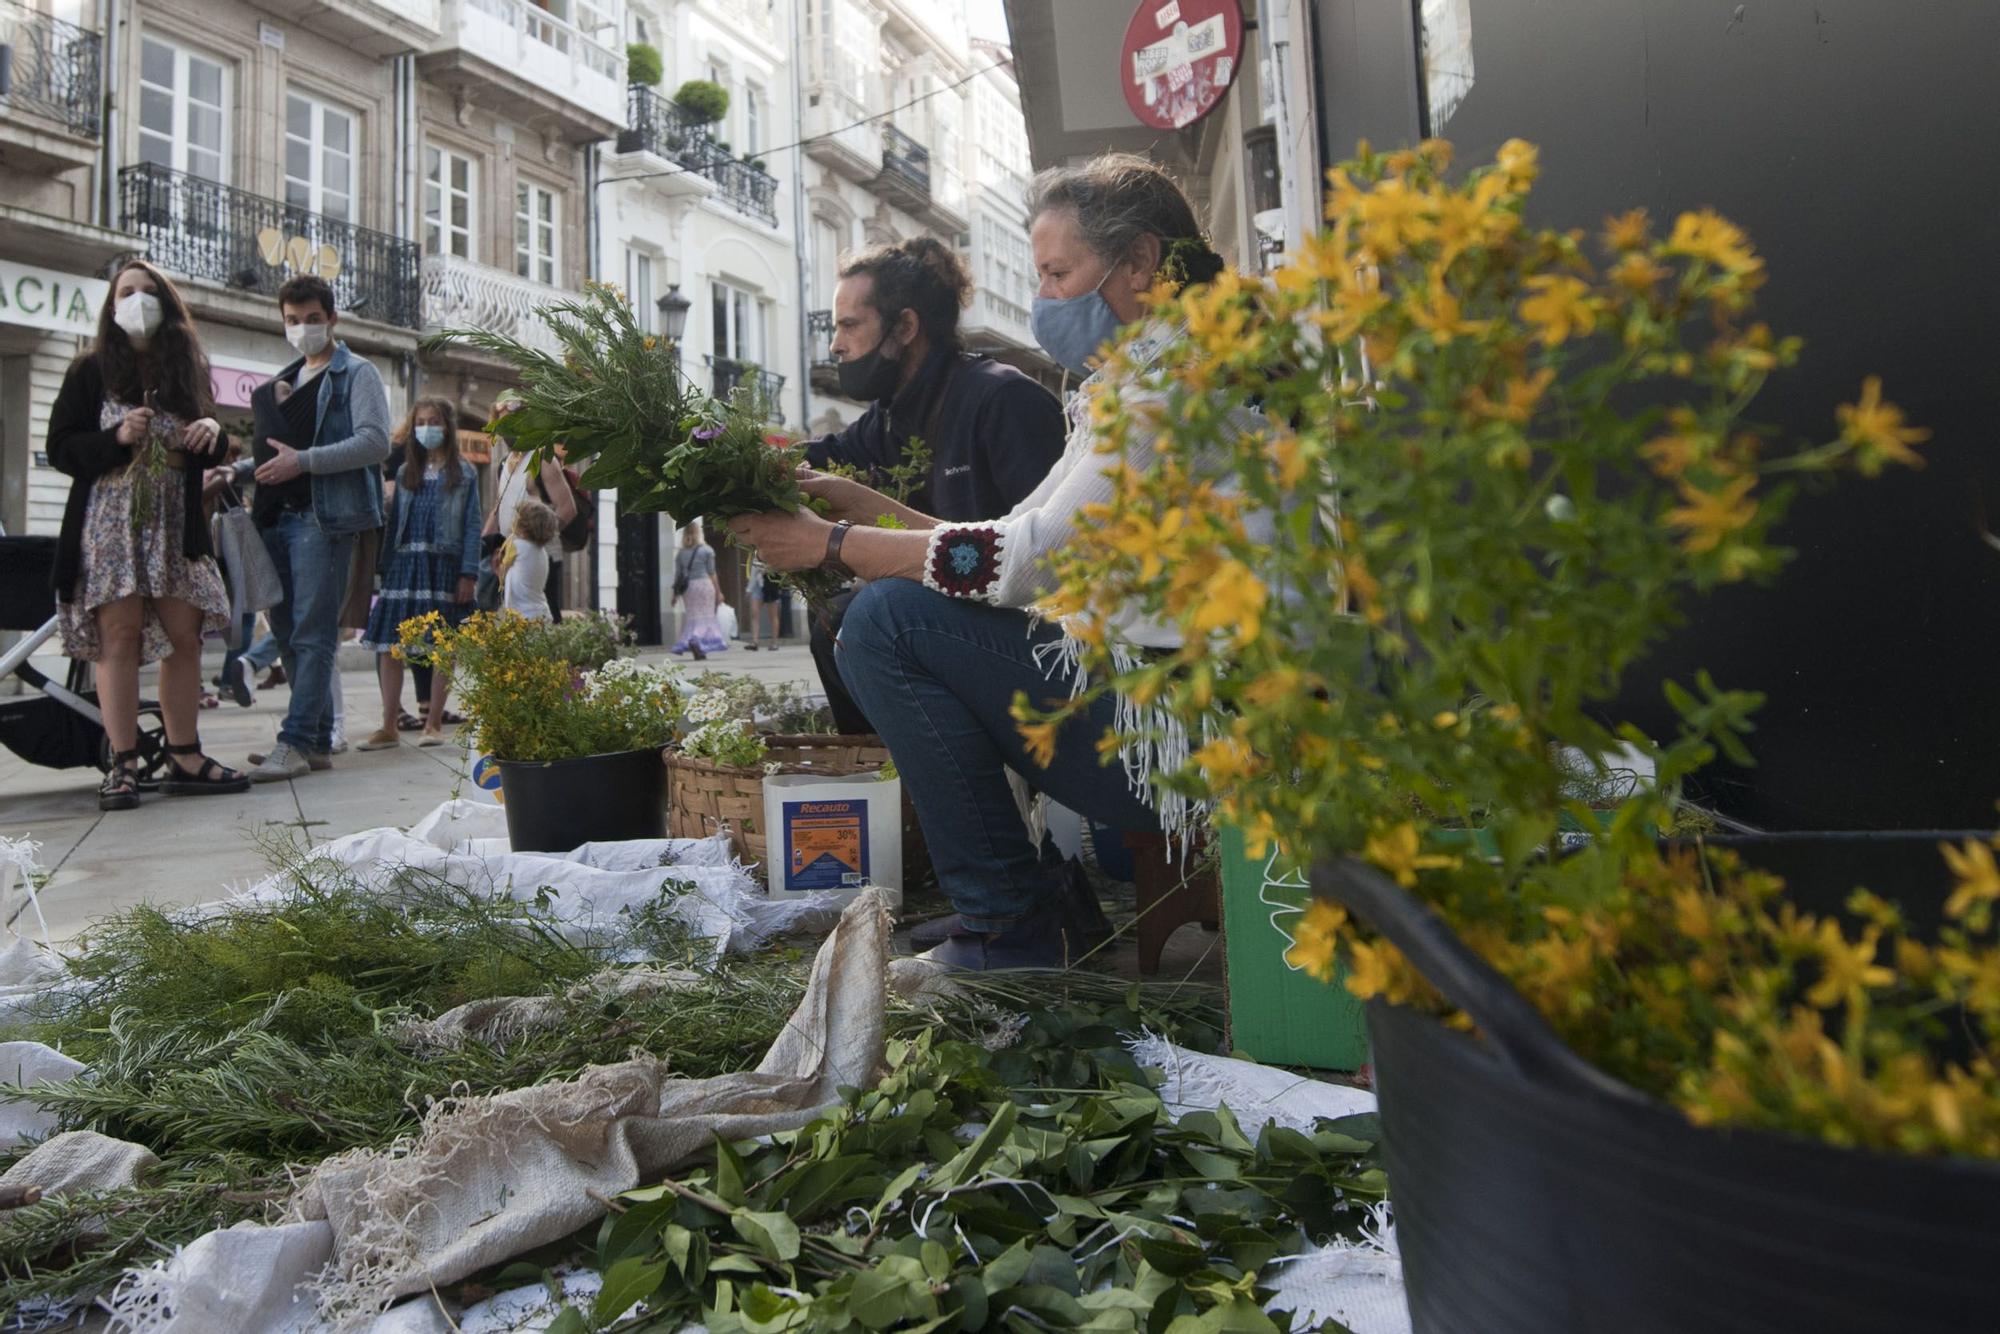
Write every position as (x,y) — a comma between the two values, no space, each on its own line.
(430,558)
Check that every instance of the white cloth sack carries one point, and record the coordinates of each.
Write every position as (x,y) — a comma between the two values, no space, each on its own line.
(24,1065)
(79,1160)
(489,1178)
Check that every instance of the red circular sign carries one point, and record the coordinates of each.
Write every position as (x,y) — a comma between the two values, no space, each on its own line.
(1179,59)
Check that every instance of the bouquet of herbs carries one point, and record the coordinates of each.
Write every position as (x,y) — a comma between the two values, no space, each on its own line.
(526,701)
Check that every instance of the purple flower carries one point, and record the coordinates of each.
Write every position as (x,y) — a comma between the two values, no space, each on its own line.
(707,432)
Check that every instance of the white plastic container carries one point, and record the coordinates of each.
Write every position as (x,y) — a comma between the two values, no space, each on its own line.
(833,833)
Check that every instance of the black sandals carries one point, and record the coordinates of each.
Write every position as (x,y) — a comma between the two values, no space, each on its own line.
(120,789)
(211,779)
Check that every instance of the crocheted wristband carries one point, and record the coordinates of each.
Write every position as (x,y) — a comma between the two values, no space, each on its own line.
(962,560)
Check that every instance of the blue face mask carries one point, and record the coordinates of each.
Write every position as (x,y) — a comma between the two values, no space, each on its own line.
(1071,329)
(430,437)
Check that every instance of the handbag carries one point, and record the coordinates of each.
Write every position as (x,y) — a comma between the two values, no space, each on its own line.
(487,594)
(254,584)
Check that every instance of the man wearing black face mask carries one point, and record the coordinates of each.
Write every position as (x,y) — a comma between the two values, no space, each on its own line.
(993,432)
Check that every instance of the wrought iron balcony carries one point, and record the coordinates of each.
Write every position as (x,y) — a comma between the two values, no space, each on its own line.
(905,178)
(459,294)
(664,128)
(725,375)
(824,372)
(196,227)
(56,68)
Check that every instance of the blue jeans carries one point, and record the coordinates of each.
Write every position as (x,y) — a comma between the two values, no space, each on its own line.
(312,566)
(937,676)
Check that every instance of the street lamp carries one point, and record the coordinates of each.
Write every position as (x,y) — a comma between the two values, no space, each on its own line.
(674,310)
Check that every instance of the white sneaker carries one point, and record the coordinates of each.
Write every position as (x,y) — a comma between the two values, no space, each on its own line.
(284,762)
(318,761)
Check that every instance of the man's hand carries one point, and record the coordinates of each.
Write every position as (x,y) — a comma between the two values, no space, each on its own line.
(282,467)
(135,426)
(845,497)
(466,587)
(784,541)
(201,437)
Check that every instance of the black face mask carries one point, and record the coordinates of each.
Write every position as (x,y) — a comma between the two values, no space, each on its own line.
(870,378)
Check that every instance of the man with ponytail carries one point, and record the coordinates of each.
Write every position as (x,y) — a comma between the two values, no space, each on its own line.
(992,432)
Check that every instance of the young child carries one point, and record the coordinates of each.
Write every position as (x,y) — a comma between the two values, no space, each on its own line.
(535,527)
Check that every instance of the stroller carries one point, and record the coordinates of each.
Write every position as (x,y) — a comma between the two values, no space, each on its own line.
(58,726)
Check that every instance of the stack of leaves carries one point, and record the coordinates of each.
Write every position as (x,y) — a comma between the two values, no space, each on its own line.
(1039,1186)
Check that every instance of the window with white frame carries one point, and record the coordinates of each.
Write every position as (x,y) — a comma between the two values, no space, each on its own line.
(753,120)
(639,287)
(183,110)
(450,203)
(537,223)
(738,320)
(319,157)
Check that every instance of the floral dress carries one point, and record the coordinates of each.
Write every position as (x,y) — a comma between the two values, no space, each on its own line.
(124,556)
(423,572)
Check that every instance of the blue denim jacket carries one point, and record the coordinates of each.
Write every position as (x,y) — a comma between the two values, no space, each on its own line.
(349,444)
(459,520)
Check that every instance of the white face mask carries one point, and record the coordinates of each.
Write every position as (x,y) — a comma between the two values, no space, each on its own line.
(138,314)
(309,339)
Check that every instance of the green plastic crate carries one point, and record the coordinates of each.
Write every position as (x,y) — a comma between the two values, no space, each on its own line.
(1278,1014)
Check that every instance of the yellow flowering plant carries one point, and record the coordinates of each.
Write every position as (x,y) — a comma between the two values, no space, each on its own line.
(1499,458)
(536,690)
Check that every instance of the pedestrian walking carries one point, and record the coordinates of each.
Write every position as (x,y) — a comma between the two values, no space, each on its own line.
(323,428)
(430,560)
(695,589)
(136,581)
(535,532)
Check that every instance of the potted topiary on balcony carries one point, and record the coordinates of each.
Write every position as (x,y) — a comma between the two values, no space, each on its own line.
(1628,1083)
(705,102)
(643,65)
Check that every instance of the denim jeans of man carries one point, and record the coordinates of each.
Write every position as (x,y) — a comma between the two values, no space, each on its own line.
(937,676)
(312,565)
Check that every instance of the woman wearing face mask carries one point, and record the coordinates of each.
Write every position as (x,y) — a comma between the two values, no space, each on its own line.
(135,579)
(937,645)
(430,558)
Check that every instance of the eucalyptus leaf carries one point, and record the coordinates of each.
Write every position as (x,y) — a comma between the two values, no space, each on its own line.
(774,1235)
(626,1284)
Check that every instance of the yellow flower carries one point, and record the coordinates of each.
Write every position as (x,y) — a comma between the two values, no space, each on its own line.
(1710,237)
(1314,940)
(1395,851)
(1628,231)
(1560,305)
(1438,313)
(1877,427)
(1520,163)
(1847,971)
(1709,516)
(1637,274)
(1393,217)
(1233,597)
(1040,739)
(1225,760)
(1978,879)
(1518,398)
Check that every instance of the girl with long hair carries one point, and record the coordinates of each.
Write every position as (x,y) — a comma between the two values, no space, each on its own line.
(429,561)
(695,587)
(136,580)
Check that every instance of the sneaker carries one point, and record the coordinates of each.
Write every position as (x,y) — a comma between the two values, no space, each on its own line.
(284,761)
(430,738)
(339,746)
(1038,940)
(1083,916)
(317,761)
(237,680)
(380,739)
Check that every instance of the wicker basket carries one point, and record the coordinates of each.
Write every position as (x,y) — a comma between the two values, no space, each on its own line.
(702,796)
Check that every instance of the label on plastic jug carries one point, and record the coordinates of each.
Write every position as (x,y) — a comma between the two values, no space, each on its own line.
(826,843)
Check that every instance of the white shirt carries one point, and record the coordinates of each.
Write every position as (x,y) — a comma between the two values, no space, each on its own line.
(527,580)
(516,485)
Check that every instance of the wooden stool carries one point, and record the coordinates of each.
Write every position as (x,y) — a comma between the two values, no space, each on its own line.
(1170,894)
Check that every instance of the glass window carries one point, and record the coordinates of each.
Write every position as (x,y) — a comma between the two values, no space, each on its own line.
(738,320)
(537,215)
(753,115)
(448,203)
(183,120)
(319,158)
(639,286)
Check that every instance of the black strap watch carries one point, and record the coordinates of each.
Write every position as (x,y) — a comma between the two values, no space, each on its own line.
(833,564)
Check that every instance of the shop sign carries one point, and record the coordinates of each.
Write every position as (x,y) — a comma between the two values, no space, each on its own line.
(1179,59)
(231,384)
(50,299)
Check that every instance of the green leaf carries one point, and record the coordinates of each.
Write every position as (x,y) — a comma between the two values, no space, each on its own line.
(728,1172)
(626,1284)
(815,1188)
(774,1235)
(967,1164)
(569,1321)
(689,1250)
(904,1180)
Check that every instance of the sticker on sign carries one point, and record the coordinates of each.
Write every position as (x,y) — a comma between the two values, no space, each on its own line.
(1183,46)
(1167,15)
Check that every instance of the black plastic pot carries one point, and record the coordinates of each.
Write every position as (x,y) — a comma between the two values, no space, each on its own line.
(557,805)
(1536,1195)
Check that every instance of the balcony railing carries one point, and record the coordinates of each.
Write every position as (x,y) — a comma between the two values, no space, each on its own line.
(57,68)
(657,125)
(819,332)
(459,294)
(906,159)
(765,386)
(196,227)
(539,24)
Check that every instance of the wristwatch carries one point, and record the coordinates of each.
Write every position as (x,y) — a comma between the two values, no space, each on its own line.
(833,564)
